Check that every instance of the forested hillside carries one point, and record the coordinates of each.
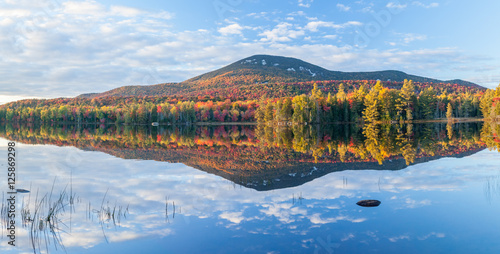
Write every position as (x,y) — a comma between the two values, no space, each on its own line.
(351,104)
(270,89)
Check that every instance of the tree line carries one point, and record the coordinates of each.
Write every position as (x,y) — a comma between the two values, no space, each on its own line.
(142,111)
(350,103)
(378,104)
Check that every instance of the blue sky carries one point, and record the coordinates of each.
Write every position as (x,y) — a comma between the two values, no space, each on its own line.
(56,48)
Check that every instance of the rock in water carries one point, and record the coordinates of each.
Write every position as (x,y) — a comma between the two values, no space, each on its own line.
(368,203)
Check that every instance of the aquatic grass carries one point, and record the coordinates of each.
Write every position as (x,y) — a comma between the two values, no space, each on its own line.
(47,226)
(45,217)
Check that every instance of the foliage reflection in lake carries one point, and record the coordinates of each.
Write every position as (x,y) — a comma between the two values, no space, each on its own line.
(263,157)
(166,207)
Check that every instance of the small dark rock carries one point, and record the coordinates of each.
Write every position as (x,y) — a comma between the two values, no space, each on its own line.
(368,203)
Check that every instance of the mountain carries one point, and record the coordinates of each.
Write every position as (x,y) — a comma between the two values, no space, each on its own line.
(159,89)
(297,70)
(263,69)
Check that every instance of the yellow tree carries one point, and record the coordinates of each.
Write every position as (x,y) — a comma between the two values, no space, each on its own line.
(371,111)
(407,96)
(449,112)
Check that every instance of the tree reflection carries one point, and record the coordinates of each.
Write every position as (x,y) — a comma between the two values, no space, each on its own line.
(304,143)
(490,135)
(258,155)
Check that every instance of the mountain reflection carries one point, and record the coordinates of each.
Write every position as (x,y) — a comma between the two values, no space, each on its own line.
(265,158)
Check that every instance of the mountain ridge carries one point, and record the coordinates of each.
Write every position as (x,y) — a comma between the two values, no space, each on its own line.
(263,69)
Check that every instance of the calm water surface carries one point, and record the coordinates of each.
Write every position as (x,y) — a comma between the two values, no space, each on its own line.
(105,204)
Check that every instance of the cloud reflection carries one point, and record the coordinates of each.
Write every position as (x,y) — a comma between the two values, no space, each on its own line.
(152,189)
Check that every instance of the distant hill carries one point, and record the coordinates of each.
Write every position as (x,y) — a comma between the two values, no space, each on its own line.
(264,69)
(134,91)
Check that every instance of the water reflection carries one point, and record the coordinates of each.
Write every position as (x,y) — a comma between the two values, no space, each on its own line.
(490,135)
(266,158)
(318,216)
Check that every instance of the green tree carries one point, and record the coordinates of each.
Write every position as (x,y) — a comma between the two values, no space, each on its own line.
(427,102)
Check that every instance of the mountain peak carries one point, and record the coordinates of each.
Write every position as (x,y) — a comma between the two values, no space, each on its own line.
(269,68)
(263,69)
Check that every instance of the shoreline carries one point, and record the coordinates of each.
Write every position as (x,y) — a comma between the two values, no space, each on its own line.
(275,124)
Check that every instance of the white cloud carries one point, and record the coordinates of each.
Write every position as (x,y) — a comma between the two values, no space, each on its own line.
(297,13)
(85,46)
(400,237)
(234,217)
(365,7)
(314,25)
(410,203)
(87,7)
(15,12)
(283,32)
(432,234)
(398,6)
(420,4)
(125,11)
(316,219)
(407,38)
(305,3)
(7,98)
(234,28)
(414,37)
(331,36)
(77,41)
(392,5)
(342,7)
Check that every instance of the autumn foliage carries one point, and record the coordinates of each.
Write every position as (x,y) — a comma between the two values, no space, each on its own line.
(300,102)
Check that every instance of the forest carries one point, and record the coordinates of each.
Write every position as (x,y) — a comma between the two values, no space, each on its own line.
(318,102)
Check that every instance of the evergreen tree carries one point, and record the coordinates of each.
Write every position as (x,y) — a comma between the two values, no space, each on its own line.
(427,102)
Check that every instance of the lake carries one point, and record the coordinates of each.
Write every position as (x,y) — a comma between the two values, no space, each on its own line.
(254,189)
